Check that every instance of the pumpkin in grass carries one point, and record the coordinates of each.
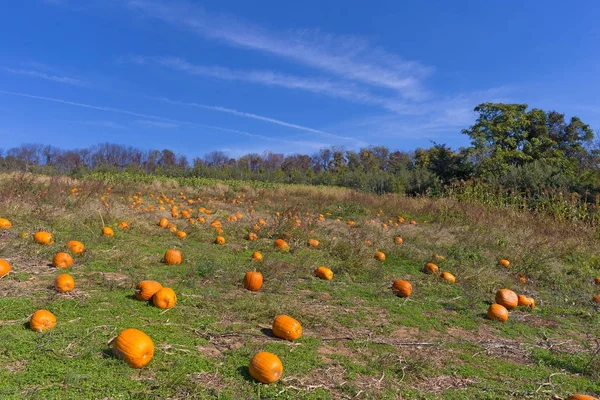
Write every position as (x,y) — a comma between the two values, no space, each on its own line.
(398,240)
(253,281)
(107,231)
(596,299)
(252,236)
(281,244)
(42,320)
(431,268)
(448,277)
(172,257)
(507,298)
(123,225)
(380,256)
(181,234)
(413,222)
(313,243)
(164,298)
(497,312)
(64,283)
(43,237)
(220,240)
(5,224)
(134,347)
(504,263)
(265,367)
(144,290)
(163,223)
(525,301)
(62,260)
(402,288)
(324,273)
(581,397)
(256,256)
(437,257)
(75,247)
(4,268)
(597,281)
(286,327)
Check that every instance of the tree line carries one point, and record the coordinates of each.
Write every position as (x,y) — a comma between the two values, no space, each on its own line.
(527,150)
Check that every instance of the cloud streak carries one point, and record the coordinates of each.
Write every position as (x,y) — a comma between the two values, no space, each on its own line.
(42,75)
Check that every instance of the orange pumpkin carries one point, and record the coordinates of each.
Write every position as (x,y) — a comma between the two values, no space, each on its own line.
(256,256)
(324,273)
(253,281)
(497,312)
(43,237)
(181,234)
(64,283)
(252,236)
(266,367)
(172,257)
(163,223)
(281,244)
(42,320)
(287,328)
(581,397)
(107,231)
(144,290)
(313,243)
(448,277)
(431,268)
(123,225)
(597,280)
(4,268)
(76,247)
(220,240)
(504,263)
(165,298)
(62,260)
(134,347)
(413,222)
(402,288)
(398,240)
(5,224)
(597,299)
(507,298)
(380,256)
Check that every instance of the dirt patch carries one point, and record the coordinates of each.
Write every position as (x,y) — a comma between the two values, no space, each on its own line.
(17,366)
(438,384)
(208,350)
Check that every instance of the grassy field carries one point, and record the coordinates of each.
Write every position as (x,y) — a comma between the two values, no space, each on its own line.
(359,339)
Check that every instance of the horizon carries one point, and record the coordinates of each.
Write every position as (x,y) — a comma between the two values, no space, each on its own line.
(283,78)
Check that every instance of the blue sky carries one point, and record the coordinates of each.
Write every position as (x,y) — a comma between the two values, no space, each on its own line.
(241,76)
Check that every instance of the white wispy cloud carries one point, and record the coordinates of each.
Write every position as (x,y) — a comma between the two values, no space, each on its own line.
(102,123)
(156,124)
(42,75)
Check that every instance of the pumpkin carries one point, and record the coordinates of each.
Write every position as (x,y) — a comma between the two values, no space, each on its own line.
(253,281)
(525,301)
(266,367)
(286,327)
(402,288)
(256,256)
(123,225)
(5,224)
(181,234)
(62,260)
(163,223)
(581,397)
(413,222)
(165,298)
(220,240)
(507,298)
(64,283)
(252,236)
(172,257)
(398,240)
(144,290)
(431,268)
(43,237)
(313,242)
(134,347)
(324,273)
(76,247)
(4,268)
(448,277)
(380,256)
(597,280)
(597,299)
(438,257)
(107,231)
(281,244)
(42,320)
(497,312)
(504,263)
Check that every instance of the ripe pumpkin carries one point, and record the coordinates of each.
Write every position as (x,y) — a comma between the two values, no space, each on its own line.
(507,298)
(64,283)
(286,327)
(134,347)
(413,222)
(42,320)
(398,240)
(313,242)
(181,234)
(526,301)
(324,273)
(431,268)
(172,257)
(107,231)
(448,277)
(144,290)
(220,240)
(281,244)
(76,247)
(123,225)
(4,268)
(402,288)
(163,223)
(581,397)
(380,256)
(256,256)
(252,236)
(497,312)
(165,298)
(597,280)
(43,237)
(266,367)
(504,263)
(62,260)
(597,299)
(253,281)
(5,224)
